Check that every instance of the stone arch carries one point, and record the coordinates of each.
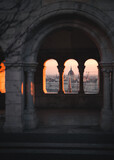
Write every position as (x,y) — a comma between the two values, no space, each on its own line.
(95,23)
(90,19)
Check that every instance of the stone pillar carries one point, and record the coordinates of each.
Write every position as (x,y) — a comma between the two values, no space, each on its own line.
(30,117)
(13,98)
(100,75)
(61,79)
(106,113)
(81,68)
(41,79)
(113,98)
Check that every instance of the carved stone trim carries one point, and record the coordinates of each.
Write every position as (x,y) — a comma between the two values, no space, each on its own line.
(106,67)
(61,68)
(30,67)
(10,65)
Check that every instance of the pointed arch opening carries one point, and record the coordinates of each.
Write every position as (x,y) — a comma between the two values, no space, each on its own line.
(91,78)
(71,77)
(50,76)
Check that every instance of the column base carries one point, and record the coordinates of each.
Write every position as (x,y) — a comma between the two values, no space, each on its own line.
(81,92)
(13,125)
(106,120)
(60,92)
(30,120)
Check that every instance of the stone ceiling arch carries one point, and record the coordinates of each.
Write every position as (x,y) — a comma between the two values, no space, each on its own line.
(71,14)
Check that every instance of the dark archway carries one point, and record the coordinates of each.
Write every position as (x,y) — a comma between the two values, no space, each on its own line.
(76,18)
(61,45)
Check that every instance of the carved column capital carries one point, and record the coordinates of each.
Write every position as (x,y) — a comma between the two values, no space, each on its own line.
(30,67)
(61,79)
(61,68)
(106,67)
(107,70)
(81,68)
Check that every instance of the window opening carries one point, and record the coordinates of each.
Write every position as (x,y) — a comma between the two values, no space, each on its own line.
(91,79)
(50,77)
(71,77)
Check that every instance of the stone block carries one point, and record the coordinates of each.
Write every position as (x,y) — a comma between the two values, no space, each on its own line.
(14,109)
(13,74)
(13,124)
(13,86)
(13,98)
(106,120)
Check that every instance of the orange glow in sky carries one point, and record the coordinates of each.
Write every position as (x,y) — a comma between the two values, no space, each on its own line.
(90,66)
(51,67)
(2,78)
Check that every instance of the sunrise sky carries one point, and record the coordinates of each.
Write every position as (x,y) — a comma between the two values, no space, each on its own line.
(51,67)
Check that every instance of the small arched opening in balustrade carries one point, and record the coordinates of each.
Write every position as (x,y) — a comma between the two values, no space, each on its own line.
(71,77)
(50,76)
(91,78)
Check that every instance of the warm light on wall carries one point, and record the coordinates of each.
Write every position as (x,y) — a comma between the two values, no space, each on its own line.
(2,78)
(32,91)
(44,80)
(22,88)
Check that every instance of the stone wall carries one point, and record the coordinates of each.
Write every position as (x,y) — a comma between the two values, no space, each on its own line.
(68,117)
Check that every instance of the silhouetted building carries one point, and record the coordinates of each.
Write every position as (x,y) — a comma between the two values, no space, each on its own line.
(69,85)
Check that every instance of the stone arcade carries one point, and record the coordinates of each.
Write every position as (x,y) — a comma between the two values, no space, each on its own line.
(61,30)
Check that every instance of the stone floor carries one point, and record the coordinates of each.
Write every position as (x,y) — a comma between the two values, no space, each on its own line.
(53,146)
(56,143)
(66,129)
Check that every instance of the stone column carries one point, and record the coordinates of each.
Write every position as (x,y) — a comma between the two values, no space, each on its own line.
(41,79)
(106,113)
(100,75)
(30,114)
(113,97)
(13,98)
(81,68)
(61,79)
